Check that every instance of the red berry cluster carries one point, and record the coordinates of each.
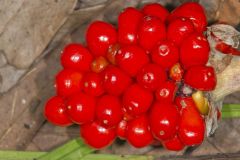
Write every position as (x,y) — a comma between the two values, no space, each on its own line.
(130,81)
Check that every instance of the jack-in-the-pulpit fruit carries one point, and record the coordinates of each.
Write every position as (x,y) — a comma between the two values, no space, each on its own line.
(144,80)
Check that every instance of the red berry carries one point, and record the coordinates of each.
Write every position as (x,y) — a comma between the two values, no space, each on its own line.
(68,82)
(137,100)
(164,120)
(100,35)
(77,57)
(191,126)
(151,31)
(121,129)
(151,76)
(128,22)
(99,64)
(109,110)
(182,102)
(226,48)
(201,78)
(131,59)
(179,102)
(166,92)
(81,108)
(127,116)
(194,50)
(96,135)
(179,29)
(138,132)
(165,54)
(112,52)
(55,112)
(92,84)
(156,10)
(176,72)
(194,12)
(173,144)
(115,80)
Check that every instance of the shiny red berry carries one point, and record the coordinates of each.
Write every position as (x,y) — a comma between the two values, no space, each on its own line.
(226,48)
(166,92)
(151,31)
(131,59)
(109,110)
(96,135)
(138,132)
(55,112)
(173,144)
(115,81)
(128,22)
(182,102)
(112,52)
(179,29)
(176,72)
(68,82)
(201,78)
(100,35)
(127,116)
(137,100)
(151,76)
(99,64)
(92,84)
(156,10)
(191,125)
(164,120)
(81,108)
(165,54)
(77,57)
(194,50)
(121,129)
(192,11)
(178,102)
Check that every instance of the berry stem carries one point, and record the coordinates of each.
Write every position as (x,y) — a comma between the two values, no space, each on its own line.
(74,148)
(116,157)
(17,155)
(231,111)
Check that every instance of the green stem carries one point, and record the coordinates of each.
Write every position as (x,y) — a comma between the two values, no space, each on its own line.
(78,153)
(231,111)
(116,157)
(67,149)
(19,155)
(229,107)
